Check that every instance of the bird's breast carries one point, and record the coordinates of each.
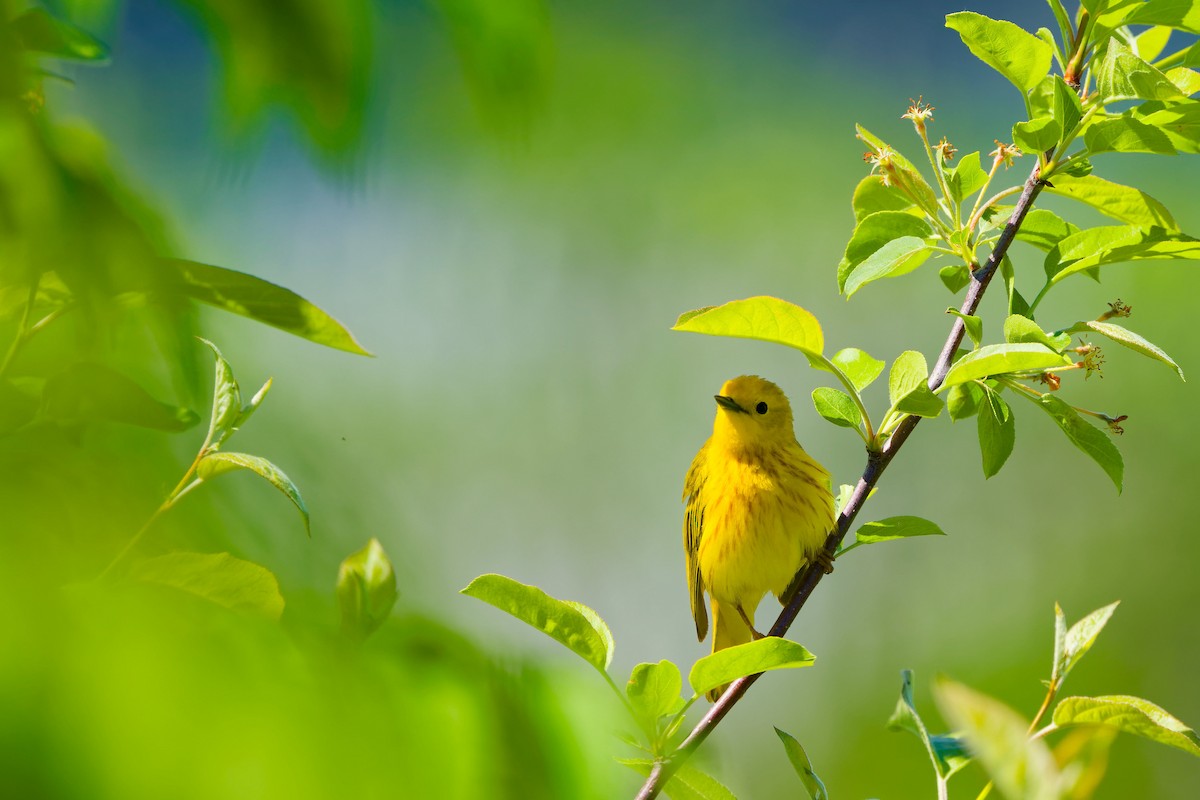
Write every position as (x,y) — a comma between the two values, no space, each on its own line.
(763,518)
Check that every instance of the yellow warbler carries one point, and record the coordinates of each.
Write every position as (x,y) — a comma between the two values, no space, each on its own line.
(758,509)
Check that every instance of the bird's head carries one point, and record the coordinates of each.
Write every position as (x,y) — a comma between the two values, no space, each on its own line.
(752,411)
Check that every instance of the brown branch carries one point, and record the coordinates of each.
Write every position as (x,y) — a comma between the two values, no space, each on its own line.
(877,462)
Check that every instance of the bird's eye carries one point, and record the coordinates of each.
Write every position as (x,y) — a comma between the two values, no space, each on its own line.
(761,408)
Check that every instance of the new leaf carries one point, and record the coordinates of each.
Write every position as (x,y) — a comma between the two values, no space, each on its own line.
(573,625)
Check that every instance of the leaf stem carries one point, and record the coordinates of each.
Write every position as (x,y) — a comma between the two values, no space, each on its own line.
(1172,60)
(996,161)
(1051,693)
(166,506)
(991,201)
(23,329)
(1079,47)
(951,206)
(624,700)
(877,461)
(852,390)
(1044,732)
(181,489)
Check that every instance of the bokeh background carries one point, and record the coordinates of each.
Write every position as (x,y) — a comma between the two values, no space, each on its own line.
(524,199)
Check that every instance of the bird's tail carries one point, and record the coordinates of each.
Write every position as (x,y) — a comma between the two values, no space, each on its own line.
(728,629)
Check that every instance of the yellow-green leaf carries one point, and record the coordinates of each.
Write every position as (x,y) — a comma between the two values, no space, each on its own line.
(768,319)
(219,463)
(1131,715)
(216,577)
(577,627)
(761,655)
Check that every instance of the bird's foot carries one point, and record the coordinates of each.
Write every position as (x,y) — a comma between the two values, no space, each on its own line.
(754,634)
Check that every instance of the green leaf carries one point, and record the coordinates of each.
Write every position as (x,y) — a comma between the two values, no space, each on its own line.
(262,301)
(972,324)
(955,276)
(218,463)
(1129,339)
(1043,229)
(1060,646)
(84,393)
(1078,168)
(653,691)
(803,766)
(901,173)
(963,400)
(1151,42)
(1115,244)
(1122,203)
(761,655)
(908,389)
(872,196)
(1039,101)
(1127,134)
(227,400)
(837,407)
(1018,328)
(945,753)
(255,401)
(688,783)
(886,530)
(1109,16)
(577,627)
(1087,438)
(858,366)
(1131,715)
(315,59)
(967,178)
(38,31)
(1079,639)
(1062,18)
(767,319)
(1002,359)
(1037,135)
(997,432)
(873,233)
(845,492)
(1121,75)
(1183,15)
(1187,80)
(219,578)
(1022,768)
(1179,122)
(1191,56)
(366,590)
(1068,109)
(1015,53)
(1047,36)
(909,372)
(897,257)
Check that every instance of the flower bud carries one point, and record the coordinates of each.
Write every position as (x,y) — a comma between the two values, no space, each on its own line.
(366,590)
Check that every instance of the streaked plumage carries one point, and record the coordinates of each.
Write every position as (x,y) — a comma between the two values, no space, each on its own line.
(758,509)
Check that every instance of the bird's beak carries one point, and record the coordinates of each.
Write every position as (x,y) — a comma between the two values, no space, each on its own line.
(729,404)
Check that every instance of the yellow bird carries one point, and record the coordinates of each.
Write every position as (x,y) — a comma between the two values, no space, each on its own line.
(758,509)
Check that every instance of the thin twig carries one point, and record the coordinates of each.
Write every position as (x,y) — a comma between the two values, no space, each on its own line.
(877,462)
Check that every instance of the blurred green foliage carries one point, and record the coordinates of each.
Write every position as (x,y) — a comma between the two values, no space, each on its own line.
(163,678)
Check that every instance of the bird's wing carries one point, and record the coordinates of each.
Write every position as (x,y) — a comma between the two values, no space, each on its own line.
(693,528)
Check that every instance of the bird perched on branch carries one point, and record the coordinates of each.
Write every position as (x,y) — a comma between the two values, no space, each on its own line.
(758,509)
